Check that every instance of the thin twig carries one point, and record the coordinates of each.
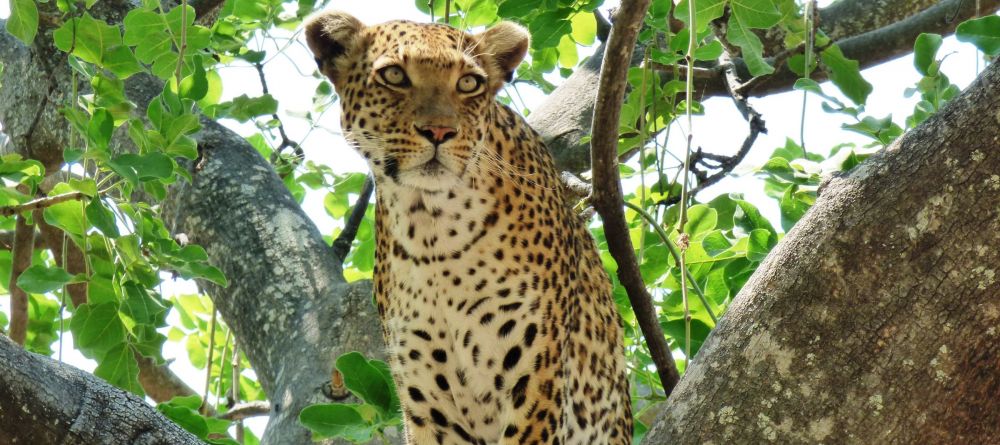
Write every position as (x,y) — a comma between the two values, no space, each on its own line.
(24,245)
(246,411)
(234,396)
(683,239)
(208,361)
(674,253)
(342,245)
(286,142)
(726,164)
(41,203)
(607,195)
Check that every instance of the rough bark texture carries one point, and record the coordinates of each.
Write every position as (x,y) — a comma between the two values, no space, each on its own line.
(287,301)
(877,319)
(46,402)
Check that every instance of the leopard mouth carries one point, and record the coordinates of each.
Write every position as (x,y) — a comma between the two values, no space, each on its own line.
(433,167)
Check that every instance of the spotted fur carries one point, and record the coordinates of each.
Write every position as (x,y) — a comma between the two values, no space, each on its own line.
(496,309)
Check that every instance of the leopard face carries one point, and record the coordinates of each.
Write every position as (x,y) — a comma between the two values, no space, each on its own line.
(414,96)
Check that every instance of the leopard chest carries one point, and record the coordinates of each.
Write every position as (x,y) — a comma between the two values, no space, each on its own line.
(467,325)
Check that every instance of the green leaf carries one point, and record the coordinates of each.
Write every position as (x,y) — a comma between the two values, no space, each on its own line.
(23,20)
(99,130)
(194,86)
(846,75)
(97,328)
(143,167)
(39,279)
(97,42)
(336,420)
(755,13)
(983,32)
(548,28)
(701,218)
(368,383)
(925,52)
(584,28)
(511,9)
(244,108)
(102,218)
(710,51)
(119,368)
(68,215)
(740,34)
(87,186)
(759,244)
(678,331)
(179,410)
(715,243)
(792,207)
(704,12)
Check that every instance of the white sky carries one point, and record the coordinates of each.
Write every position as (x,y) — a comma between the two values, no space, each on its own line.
(721,131)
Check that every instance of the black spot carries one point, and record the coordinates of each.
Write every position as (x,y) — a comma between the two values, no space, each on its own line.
(506,328)
(439,355)
(415,394)
(442,382)
(498,382)
(391,168)
(512,357)
(414,354)
(438,417)
(422,334)
(461,432)
(529,334)
(517,391)
(511,431)
(486,319)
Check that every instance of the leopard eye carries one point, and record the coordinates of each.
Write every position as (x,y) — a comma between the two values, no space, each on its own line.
(394,75)
(469,83)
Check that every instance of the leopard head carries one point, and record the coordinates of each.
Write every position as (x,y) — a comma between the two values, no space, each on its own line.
(416,98)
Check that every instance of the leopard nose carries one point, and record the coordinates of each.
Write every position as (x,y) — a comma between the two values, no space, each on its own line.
(437,134)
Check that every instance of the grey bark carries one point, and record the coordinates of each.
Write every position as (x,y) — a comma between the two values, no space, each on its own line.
(43,401)
(877,319)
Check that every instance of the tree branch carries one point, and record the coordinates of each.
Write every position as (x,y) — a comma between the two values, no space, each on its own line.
(44,402)
(246,411)
(41,203)
(342,245)
(24,245)
(607,191)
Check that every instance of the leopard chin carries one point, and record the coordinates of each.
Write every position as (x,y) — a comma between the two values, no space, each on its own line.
(432,176)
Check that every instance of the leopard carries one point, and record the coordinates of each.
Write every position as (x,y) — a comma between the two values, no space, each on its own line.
(498,314)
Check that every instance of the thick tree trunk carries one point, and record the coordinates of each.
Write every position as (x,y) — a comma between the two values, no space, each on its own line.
(877,319)
(43,401)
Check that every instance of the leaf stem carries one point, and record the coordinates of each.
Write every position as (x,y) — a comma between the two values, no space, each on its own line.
(677,256)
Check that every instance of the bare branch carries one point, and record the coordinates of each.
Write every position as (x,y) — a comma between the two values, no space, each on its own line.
(342,245)
(24,245)
(607,191)
(46,403)
(41,203)
(246,411)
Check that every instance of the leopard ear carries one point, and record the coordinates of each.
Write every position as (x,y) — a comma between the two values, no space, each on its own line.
(330,35)
(505,44)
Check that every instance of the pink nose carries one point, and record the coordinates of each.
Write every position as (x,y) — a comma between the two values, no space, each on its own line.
(437,133)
